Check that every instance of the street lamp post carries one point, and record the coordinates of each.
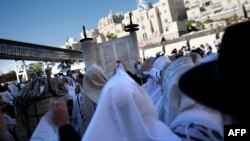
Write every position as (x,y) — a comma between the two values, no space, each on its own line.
(245,11)
(163,43)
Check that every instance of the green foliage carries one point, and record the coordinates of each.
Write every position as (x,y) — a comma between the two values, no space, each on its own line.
(235,17)
(111,36)
(200,25)
(33,67)
(10,76)
(194,25)
(208,20)
(232,19)
(190,24)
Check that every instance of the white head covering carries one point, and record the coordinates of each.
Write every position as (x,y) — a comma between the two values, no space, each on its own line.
(159,63)
(182,109)
(208,58)
(93,82)
(153,87)
(125,113)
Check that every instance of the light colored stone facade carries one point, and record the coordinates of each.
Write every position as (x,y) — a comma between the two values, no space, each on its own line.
(72,44)
(214,9)
(165,18)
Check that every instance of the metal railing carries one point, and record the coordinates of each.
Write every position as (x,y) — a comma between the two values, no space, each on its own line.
(26,51)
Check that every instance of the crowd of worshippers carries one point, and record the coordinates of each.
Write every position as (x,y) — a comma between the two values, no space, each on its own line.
(183,97)
(202,50)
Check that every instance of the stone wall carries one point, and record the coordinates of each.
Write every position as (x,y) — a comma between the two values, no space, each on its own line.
(195,40)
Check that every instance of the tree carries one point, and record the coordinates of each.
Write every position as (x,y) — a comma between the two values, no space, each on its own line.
(111,36)
(228,21)
(190,26)
(200,25)
(10,76)
(33,67)
(208,20)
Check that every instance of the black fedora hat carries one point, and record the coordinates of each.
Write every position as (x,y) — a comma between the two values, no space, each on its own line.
(224,84)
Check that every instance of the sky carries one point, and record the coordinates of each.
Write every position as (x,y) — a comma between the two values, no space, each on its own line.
(51,22)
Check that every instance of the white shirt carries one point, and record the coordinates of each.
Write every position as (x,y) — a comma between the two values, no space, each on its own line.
(125,113)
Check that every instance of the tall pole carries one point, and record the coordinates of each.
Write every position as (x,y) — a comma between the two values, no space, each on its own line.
(25,71)
(163,42)
(17,72)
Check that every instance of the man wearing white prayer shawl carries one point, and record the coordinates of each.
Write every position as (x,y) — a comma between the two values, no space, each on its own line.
(119,65)
(153,85)
(85,103)
(13,90)
(188,119)
(125,113)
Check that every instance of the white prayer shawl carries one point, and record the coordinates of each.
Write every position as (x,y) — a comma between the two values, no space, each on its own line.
(153,87)
(71,92)
(208,58)
(125,113)
(160,62)
(76,118)
(71,81)
(120,67)
(74,75)
(13,89)
(182,109)
(83,111)
(197,58)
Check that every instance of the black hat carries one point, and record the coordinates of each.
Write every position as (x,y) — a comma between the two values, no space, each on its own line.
(224,84)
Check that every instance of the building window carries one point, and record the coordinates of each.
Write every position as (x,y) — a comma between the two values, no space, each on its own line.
(165,11)
(166,20)
(167,29)
(152,16)
(141,18)
(163,3)
(229,1)
(208,3)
